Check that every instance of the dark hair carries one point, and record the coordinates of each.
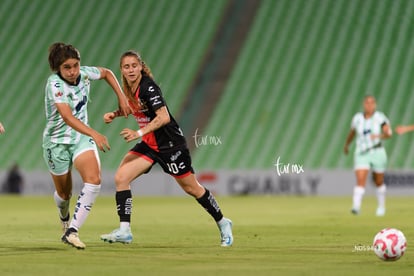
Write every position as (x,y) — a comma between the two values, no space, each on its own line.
(59,52)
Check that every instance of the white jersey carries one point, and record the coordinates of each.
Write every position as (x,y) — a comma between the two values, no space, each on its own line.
(364,128)
(76,96)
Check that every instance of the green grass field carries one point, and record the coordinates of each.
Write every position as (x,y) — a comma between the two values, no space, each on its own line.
(175,236)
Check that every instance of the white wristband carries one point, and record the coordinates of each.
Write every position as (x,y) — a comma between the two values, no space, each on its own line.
(139,133)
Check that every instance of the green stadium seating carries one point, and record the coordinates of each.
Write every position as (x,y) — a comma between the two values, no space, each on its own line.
(171,36)
(301,77)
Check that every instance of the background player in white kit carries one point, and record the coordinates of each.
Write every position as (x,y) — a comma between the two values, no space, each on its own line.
(370,127)
(68,139)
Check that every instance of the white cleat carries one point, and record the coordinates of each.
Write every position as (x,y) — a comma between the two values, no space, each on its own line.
(71,237)
(380,212)
(118,235)
(225,225)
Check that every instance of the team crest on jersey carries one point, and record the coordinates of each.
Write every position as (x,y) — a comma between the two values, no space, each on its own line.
(142,106)
(58,94)
(87,81)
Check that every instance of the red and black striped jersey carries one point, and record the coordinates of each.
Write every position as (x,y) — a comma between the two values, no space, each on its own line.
(150,99)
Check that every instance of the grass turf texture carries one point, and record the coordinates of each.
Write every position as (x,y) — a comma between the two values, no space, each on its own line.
(175,236)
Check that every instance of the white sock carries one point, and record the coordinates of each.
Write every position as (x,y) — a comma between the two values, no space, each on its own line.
(84,204)
(63,206)
(357,197)
(381,196)
(124,225)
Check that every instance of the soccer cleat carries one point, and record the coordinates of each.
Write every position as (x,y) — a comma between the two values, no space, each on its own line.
(380,212)
(118,235)
(71,237)
(355,211)
(225,226)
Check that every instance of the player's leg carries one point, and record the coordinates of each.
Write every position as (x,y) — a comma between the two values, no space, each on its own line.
(131,167)
(88,167)
(203,196)
(62,196)
(380,192)
(86,161)
(58,160)
(361,168)
(177,163)
(359,190)
(379,165)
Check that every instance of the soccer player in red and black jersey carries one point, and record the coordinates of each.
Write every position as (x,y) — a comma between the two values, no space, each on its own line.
(162,141)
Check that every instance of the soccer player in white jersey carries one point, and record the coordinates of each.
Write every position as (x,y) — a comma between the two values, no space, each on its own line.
(370,128)
(68,140)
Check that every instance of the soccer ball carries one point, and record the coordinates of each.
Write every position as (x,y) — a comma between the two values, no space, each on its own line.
(389,244)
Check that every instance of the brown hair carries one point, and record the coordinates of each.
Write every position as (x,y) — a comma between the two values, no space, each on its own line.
(145,71)
(59,52)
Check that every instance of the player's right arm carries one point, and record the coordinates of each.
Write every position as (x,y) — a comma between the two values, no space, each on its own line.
(349,139)
(66,113)
(110,116)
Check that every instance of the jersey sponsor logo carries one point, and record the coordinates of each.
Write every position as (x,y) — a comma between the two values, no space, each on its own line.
(81,103)
(155,100)
(151,89)
(144,119)
(366,131)
(57,85)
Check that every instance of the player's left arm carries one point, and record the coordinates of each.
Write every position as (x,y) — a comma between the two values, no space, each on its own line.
(161,119)
(386,131)
(110,78)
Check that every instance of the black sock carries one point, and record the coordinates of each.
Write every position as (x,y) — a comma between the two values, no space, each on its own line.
(124,205)
(65,219)
(210,204)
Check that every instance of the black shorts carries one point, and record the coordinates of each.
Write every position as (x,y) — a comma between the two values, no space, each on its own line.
(176,162)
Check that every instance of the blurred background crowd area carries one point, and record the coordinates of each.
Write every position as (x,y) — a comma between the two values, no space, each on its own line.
(248,81)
